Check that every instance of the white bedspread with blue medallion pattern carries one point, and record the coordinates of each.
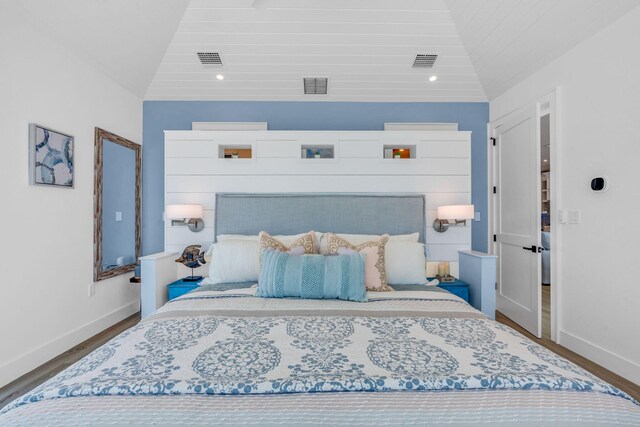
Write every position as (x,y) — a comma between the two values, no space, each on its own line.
(232,343)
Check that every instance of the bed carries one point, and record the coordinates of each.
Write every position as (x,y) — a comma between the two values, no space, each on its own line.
(418,355)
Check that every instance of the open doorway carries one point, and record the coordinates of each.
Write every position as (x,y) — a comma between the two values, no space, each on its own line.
(523,200)
(545,221)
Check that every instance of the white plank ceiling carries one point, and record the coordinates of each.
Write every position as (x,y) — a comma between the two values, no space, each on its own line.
(366,48)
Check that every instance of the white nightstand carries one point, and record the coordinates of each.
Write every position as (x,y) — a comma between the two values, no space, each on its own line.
(479,271)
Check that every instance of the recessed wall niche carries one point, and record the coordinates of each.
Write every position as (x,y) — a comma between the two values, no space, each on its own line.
(399,152)
(235,152)
(317,151)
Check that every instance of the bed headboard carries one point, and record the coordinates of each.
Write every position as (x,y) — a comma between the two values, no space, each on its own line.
(439,169)
(294,213)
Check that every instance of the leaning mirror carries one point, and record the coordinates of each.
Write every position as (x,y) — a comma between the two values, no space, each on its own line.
(116,196)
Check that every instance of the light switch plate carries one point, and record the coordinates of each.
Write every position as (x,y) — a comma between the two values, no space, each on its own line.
(573,217)
(562,217)
(476,216)
(118,216)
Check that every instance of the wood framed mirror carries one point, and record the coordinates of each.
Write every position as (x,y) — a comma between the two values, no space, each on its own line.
(117,205)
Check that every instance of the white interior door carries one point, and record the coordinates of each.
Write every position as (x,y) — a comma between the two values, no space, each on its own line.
(517,226)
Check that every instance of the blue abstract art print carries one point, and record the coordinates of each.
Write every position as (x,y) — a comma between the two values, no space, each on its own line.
(51,157)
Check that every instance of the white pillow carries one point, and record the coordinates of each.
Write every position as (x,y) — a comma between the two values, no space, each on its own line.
(233,261)
(356,239)
(235,258)
(405,263)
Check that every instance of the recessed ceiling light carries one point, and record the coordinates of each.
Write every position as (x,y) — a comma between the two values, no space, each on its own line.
(545,160)
(220,77)
(433,78)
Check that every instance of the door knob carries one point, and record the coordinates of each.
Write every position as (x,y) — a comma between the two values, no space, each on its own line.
(535,249)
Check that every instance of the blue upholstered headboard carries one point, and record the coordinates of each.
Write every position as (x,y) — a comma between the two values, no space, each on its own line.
(294,213)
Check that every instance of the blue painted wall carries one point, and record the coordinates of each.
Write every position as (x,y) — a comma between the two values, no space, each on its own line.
(178,115)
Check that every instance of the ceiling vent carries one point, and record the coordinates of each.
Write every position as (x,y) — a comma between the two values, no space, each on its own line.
(425,61)
(210,58)
(315,86)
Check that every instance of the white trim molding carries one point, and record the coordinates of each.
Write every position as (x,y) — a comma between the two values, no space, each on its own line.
(233,126)
(626,368)
(26,362)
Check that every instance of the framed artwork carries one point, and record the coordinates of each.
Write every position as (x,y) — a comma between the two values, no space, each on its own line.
(50,157)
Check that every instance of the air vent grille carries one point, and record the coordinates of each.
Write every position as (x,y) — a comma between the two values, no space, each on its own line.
(315,86)
(209,58)
(425,60)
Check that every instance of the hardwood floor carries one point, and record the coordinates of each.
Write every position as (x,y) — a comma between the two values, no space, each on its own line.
(546,312)
(36,377)
(39,375)
(610,377)
(602,373)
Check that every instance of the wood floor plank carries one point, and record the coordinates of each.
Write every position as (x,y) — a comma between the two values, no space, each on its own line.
(31,380)
(606,375)
(546,312)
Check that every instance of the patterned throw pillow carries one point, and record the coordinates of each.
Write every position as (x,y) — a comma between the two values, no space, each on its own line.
(312,276)
(375,276)
(300,246)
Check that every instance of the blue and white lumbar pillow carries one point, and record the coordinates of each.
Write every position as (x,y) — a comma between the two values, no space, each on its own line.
(312,276)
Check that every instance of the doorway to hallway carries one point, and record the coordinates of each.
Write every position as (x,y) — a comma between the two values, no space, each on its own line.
(522,189)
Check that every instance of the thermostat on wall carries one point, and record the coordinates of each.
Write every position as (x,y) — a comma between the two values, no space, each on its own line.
(599,183)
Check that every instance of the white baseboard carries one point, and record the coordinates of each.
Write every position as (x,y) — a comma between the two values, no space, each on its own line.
(27,362)
(624,367)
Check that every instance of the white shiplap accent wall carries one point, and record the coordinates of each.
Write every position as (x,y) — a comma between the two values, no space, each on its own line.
(441,170)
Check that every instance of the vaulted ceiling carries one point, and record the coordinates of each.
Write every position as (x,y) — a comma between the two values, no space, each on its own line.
(508,40)
(125,39)
(366,48)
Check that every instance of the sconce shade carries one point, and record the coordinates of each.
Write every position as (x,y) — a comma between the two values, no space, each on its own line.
(453,212)
(184,211)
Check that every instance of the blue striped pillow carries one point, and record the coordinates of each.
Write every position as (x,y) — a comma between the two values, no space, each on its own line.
(312,276)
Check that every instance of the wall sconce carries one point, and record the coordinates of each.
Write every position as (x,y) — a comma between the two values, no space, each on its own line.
(457,213)
(189,215)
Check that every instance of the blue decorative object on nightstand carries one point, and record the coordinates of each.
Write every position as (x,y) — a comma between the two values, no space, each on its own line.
(192,258)
(458,288)
(180,287)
